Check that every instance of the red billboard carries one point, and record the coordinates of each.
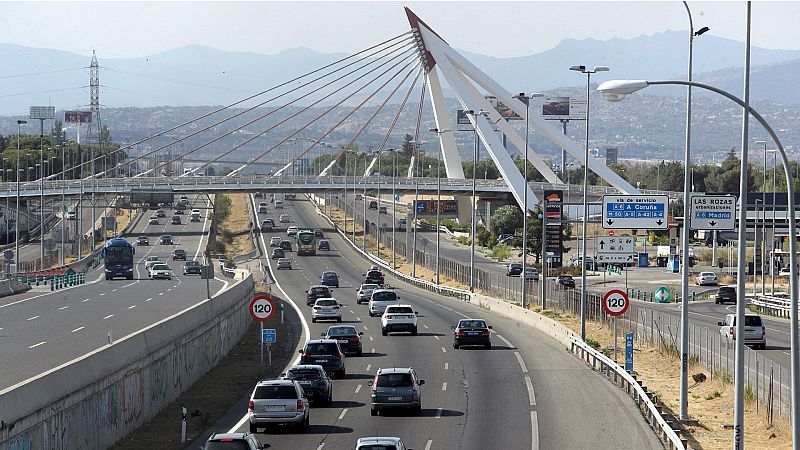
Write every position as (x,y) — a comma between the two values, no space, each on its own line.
(78,116)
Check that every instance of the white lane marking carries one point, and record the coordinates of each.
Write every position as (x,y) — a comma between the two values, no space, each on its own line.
(444,350)
(444,386)
(78,329)
(169,289)
(341,416)
(32,318)
(534,431)
(85,300)
(318,448)
(160,293)
(108,316)
(371,338)
(787,353)
(426,327)
(36,345)
(365,327)
(358,318)
(446,366)
(114,290)
(531,394)
(445,307)
(505,341)
(358,388)
(149,299)
(102,294)
(428,444)
(63,308)
(370,365)
(373,350)
(463,315)
(438,413)
(521,362)
(132,306)
(436,337)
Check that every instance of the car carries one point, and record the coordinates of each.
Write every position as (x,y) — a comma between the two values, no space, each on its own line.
(514,270)
(508,240)
(401,225)
(191,268)
(278,253)
(709,241)
(160,270)
(472,332)
(284,218)
(179,253)
(72,215)
(318,233)
(725,294)
(707,278)
(315,292)
(278,204)
(284,263)
(326,308)
(329,278)
(195,215)
(183,200)
(263,204)
(275,241)
(374,276)
(566,281)
(262,209)
(399,318)
(504,237)
(278,401)
(323,245)
(326,353)
(589,262)
(382,210)
(286,245)
(785,272)
(180,209)
(266,225)
(161,213)
(165,239)
(176,220)
(142,240)
(380,443)
(292,231)
(347,336)
(359,197)
(755,333)
(364,293)
(396,388)
(316,384)
(233,441)
(373,204)
(531,274)
(153,221)
(149,261)
(380,299)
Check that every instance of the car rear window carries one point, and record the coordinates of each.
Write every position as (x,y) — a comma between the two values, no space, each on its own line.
(228,445)
(377,447)
(395,380)
(727,289)
(516,266)
(386,296)
(374,273)
(399,310)
(369,287)
(341,331)
(752,321)
(322,349)
(472,324)
(303,374)
(326,302)
(320,290)
(281,392)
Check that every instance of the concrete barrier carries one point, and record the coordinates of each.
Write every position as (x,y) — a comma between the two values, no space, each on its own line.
(93,401)
(11,286)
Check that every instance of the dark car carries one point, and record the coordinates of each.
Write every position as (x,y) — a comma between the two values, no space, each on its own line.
(566,281)
(161,213)
(278,253)
(374,276)
(725,294)
(180,208)
(329,279)
(347,336)
(165,239)
(142,240)
(326,353)
(191,268)
(179,253)
(318,233)
(315,292)
(514,270)
(382,210)
(324,245)
(314,380)
(373,204)
(472,332)
(710,241)
(286,245)
(176,220)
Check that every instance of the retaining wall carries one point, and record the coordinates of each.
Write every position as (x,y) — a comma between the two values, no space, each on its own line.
(97,399)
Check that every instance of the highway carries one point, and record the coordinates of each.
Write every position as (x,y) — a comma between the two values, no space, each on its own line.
(31,250)
(524,393)
(40,330)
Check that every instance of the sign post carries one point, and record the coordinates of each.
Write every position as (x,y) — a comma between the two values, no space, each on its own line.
(262,309)
(615,302)
(629,351)
(269,336)
(635,212)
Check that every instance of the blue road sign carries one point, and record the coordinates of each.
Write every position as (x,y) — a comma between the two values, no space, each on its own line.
(635,212)
(269,336)
(629,351)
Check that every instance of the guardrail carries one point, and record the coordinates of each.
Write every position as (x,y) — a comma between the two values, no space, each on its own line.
(634,388)
(774,305)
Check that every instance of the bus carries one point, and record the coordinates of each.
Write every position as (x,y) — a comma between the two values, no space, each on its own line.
(306,243)
(117,256)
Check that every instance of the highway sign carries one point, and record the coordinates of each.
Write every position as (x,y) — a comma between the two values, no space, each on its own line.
(713,212)
(262,308)
(269,336)
(623,244)
(662,295)
(629,351)
(615,302)
(206,272)
(615,258)
(636,212)
(49,245)
(8,254)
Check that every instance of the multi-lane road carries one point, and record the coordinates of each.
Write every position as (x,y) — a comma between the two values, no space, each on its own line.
(41,330)
(526,392)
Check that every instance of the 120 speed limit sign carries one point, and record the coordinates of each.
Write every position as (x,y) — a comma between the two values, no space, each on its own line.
(262,308)
(615,302)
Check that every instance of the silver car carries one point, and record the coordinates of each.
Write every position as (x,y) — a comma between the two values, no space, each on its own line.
(531,274)
(278,401)
(381,298)
(275,241)
(160,270)
(371,443)
(326,308)
(284,263)
(707,278)
(755,333)
(396,388)
(364,293)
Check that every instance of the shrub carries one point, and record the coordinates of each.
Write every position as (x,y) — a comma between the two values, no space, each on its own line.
(593,343)
(501,252)
(713,395)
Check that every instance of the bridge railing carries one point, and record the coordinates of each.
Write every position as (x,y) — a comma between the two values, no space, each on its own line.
(775,305)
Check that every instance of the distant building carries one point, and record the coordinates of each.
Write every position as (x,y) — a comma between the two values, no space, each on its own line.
(611,155)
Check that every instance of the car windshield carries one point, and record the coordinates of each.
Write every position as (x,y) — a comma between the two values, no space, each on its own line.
(472,324)
(191,263)
(342,331)
(707,274)
(118,255)
(304,374)
(282,392)
(322,349)
(237,444)
(752,321)
(166,237)
(179,251)
(385,296)
(369,287)
(395,380)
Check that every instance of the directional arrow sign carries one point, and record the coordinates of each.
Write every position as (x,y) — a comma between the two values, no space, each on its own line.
(636,212)
(713,212)
(615,258)
(621,244)
(662,295)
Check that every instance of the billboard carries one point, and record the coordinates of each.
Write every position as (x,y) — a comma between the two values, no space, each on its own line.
(42,112)
(78,116)
(554,230)
(448,208)
(504,111)
(612,155)
(564,108)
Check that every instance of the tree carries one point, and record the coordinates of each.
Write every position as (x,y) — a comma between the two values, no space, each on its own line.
(105,135)
(407,146)
(506,219)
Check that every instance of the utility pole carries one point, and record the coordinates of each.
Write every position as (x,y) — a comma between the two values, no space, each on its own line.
(93,135)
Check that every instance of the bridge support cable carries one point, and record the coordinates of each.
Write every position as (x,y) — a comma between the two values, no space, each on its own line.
(415,148)
(400,71)
(401,38)
(371,118)
(401,51)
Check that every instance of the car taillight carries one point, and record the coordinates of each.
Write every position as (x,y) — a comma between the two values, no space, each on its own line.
(459,333)
(251,405)
(299,405)
(389,316)
(731,330)
(306,355)
(485,332)
(353,338)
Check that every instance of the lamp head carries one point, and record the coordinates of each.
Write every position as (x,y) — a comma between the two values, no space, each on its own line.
(469,111)
(600,69)
(701,31)
(577,68)
(616,90)
(22,122)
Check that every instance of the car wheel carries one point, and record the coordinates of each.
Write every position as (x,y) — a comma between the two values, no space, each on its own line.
(360,353)
(253,428)
(384,331)
(418,410)
(488,346)
(414,331)
(107,278)
(373,412)
(306,424)
(455,346)
(716,302)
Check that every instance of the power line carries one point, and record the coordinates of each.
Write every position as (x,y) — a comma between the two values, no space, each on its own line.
(43,91)
(175,80)
(19,75)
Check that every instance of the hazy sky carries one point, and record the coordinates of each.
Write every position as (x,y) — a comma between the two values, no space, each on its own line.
(502,29)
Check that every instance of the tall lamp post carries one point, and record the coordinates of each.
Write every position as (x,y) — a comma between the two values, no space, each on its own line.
(394,208)
(616,90)
(16,220)
(588,72)
(474,203)
(415,173)
(438,193)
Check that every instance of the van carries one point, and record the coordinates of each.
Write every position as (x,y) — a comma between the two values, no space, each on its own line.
(278,204)
(195,215)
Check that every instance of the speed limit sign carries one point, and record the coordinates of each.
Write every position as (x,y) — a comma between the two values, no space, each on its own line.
(615,302)
(262,308)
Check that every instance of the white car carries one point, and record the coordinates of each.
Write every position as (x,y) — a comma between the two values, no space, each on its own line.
(71,215)
(275,241)
(160,270)
(364,293)
(399,318)
(368,443)
(380,299)
(326,308)
(153,221)
(284,218)
(785,272)
(292,231)
(707,278)
(284,263)
(148,263)
(531,274)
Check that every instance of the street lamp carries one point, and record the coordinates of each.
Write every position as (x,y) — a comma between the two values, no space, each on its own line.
(616,90)
(474,203)
(394,207)
(584,69)
(415,173)
(16,222)
(438,193)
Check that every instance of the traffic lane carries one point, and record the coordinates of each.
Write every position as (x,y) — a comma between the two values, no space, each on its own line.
(557,379)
